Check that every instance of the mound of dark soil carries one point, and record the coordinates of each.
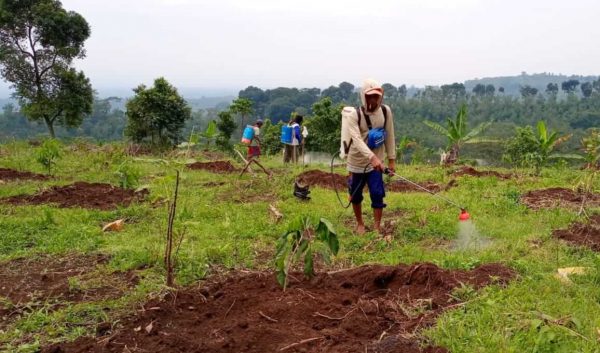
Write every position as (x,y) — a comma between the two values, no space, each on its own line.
(81,194)
(323,179)
(215,167)
(558,197)
(329,181)
(584,234)
(11,174)
(370,308)
(466,170)
(30,283)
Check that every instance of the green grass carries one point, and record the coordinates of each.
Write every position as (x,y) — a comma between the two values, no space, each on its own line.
(228,226)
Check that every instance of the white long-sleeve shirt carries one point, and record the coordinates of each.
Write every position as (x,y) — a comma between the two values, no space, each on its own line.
(359,154)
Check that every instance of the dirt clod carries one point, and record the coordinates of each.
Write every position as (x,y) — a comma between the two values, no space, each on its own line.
(558,197)
(380,308)
(466,170)
(81,194)
(582,233)
(11,174)
(215,167)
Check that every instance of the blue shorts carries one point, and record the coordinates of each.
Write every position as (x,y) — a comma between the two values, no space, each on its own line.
(374,179)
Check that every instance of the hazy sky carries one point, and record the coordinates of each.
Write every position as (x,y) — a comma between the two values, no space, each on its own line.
(268,43)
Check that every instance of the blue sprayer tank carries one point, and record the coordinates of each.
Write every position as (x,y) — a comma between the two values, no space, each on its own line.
(248,134)
(286,134)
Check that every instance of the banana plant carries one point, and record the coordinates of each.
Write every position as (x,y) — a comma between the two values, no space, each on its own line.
(590,146)
(546,143)
(210,133)
(303,238)
(457,133)
(404,144)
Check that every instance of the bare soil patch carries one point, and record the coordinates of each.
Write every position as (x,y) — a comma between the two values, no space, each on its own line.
(11,174)
(582,233)
(215,167)
(30,283)
(374,308)
(330,181)
(466,170)
(81,194)
(558,197)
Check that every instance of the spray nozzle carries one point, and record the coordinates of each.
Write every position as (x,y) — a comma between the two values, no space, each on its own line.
(464,215)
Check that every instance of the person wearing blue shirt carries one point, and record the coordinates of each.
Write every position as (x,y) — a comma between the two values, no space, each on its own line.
(292,150)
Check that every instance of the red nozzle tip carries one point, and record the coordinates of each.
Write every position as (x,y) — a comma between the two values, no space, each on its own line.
(464,215)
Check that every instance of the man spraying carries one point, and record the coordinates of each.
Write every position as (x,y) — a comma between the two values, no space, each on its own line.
(251,138)
(368,134)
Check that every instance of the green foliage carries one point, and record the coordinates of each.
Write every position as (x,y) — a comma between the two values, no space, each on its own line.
(404,144)
(157,113)
(270,137)
(590,145)
(39,41)
(456,133)
(210,133)
(48,154)
(226,127)
(243,108)
(528,149)
(300,242)
(128,175)
(324,126)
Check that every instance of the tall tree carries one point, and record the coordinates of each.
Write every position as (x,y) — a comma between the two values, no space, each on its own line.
(324,126)
(490,90)
(346,90)
(479,89)
(157,113)
(242,107)
(569,86)
(586,89)
(226,126)
(402,91)
(527,91)
(38,42)
(389,89)
(552,89)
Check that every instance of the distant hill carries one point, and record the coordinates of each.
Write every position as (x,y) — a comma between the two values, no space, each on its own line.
(512,84)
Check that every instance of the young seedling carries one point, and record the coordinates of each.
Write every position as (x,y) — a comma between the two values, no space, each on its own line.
(48,154)
(128,175)
(303,238)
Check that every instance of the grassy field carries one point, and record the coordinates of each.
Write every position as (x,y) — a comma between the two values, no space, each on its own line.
(228,227)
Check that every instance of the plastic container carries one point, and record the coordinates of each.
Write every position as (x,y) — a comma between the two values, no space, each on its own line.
(286,134)
(248,135)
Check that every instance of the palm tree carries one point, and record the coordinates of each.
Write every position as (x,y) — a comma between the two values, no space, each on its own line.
(457,134)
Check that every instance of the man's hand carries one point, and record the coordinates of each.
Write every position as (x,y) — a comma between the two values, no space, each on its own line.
(377,163)
(392,165)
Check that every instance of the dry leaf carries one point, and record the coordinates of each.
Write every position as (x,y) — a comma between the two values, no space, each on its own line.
(138,329)
(115,226)
(564,273)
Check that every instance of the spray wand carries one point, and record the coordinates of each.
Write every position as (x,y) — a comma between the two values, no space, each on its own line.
(464,215)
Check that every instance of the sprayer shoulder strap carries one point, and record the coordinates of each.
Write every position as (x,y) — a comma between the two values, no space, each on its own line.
(368,118)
